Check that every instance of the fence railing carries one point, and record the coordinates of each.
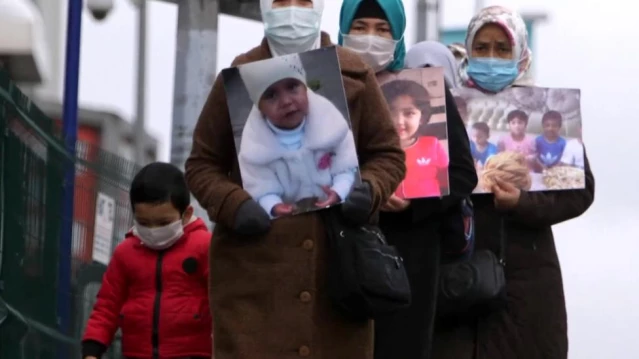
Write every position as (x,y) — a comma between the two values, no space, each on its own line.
(32,163)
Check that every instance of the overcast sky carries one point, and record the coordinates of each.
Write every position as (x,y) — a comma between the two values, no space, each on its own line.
(575,49)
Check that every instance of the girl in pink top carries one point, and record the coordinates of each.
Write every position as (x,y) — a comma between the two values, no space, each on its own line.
(517,140)
(426,158)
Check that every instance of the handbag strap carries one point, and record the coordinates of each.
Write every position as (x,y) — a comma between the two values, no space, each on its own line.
(502,241)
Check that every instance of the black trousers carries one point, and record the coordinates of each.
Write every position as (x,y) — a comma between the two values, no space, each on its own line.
(408,333)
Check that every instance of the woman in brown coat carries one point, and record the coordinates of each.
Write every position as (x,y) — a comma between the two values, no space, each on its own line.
(533,325)
(267,282)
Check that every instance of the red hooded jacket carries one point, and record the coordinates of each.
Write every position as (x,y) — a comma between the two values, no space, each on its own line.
(158,298)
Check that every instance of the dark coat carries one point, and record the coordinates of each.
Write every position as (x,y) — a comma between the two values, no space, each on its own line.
(267,293)
(534,324)
(416,233)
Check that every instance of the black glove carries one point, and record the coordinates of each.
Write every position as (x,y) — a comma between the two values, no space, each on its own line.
(359,204)
(251,219)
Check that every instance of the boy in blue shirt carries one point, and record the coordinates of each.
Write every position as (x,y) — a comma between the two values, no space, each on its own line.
(550,145)
(480,148)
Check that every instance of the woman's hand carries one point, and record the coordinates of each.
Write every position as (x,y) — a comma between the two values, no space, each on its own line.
(282,209)
(395,204)
(506,195)
(331,198)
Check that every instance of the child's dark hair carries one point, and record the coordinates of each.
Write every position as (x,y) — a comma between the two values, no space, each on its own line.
(158,183)
(552,115)
(482,126)
(421,99)
(517,114)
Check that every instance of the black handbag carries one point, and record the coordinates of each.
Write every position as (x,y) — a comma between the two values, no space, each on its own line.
(366,276)
(474,285)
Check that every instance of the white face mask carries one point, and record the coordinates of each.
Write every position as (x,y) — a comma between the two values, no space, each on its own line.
(378,52)
(292,29)
(159,238)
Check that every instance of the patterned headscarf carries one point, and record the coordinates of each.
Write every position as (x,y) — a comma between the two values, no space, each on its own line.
(515,27)
(459,50)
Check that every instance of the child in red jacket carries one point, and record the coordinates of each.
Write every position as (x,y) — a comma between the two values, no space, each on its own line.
(155,286)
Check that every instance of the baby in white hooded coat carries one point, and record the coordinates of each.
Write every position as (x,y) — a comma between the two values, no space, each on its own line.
(295,144)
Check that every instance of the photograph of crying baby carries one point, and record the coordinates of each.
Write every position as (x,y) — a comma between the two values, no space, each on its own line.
(529,137)
(292,133)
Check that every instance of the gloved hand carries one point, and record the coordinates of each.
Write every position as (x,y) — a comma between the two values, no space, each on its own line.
(251,219)
(358,205)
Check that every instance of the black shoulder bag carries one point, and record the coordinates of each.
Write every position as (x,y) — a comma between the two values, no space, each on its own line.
(366,276)
(474,285)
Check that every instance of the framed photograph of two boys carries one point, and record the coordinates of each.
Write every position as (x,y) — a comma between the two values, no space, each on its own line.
(292,131)
(529,137)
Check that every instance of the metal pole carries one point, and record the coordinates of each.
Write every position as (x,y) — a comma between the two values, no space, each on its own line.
(70,130)
(195,70)
(479,4)
(422,11)
(427,20)
(138,124)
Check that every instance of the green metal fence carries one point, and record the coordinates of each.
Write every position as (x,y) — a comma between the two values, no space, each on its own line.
(32,162)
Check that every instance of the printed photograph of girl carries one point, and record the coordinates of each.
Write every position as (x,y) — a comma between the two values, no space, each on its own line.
(417,103)
(532,128)
(296,150)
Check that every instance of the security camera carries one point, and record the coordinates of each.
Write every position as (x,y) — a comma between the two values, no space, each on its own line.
(100,8)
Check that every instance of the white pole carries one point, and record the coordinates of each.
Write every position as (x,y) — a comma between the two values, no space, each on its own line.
(428,22)
(195,71)
(421,20)
(432,21)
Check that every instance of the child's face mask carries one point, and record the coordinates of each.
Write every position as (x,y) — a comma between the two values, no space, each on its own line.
(159,226)
(159,238)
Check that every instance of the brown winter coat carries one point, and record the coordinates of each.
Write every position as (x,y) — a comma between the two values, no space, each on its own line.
(534,325)
(267,293)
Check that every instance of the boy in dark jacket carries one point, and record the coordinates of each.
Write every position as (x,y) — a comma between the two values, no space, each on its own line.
(155,286)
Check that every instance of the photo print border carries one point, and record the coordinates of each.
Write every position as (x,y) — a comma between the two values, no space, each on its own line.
(417,101)
(293,108)
(529,137)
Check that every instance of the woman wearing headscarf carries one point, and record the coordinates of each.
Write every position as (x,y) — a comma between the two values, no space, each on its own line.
(267,288)
(533,324)
(458,50)
(434,54)
(374,29)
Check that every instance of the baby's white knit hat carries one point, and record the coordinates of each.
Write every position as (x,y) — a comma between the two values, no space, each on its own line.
(258,76)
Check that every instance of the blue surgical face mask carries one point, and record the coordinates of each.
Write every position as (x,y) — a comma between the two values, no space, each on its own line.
(292,29)
(492,74)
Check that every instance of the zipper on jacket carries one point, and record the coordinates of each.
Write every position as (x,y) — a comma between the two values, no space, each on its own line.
(155,337)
